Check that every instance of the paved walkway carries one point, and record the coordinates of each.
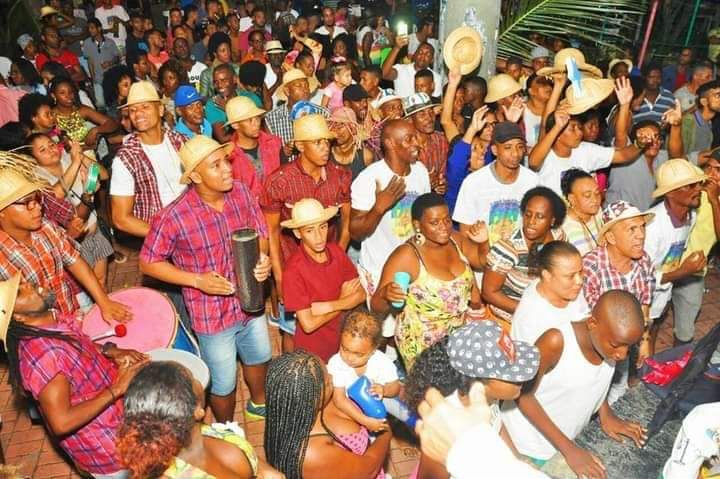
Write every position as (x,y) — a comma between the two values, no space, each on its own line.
(29,447)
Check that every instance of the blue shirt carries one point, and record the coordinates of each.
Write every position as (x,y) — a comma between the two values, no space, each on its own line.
(654,111)
(205,128)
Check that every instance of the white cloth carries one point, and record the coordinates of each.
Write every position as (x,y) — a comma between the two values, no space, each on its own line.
(483,197)
(270,76)
(395,226)
(697,441)
(245,23)
(379,370)
(405,81)
(532,127)
(360,36)
(587,156)
(108,17)
(322,30)
(195,72)
(570,394)
(166,166)
(665,244)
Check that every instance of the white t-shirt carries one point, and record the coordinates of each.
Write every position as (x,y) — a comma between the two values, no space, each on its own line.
(108,17)
(395,226)
(322,30)
(379,370)
(166,165)
(532,127)
(484,197)
(535,314)
(665,244)
(587,156)
(405,81)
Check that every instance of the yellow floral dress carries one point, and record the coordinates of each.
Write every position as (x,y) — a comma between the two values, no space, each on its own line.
(227,432)
(433,309)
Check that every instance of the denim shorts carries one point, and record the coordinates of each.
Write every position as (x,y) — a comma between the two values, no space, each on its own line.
(219,351)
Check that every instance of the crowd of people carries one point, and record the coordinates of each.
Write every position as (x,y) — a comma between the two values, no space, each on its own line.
(495,255)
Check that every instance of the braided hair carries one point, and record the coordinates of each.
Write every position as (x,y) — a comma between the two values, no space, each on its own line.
(295,392)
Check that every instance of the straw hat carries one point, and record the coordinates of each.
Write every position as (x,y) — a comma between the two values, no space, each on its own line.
(559,65)
(674,174)
(241,108)
(8,295)
(615,61)
(311,127)
(141,92)
(308,211)
(593,93)
(618,211)
(463,48)
(274,46)
(501,86)
(292,75)
(195,150)
(47,10)
(14,186)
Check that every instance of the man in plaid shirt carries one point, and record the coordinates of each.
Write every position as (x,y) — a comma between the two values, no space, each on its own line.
(77,383)
(189,245)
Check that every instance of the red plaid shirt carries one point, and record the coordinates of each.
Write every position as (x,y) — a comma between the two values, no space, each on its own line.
(196,238)
(435,155)
(290,184)
(56,210)
(92,446)
(43,262)
(601,277)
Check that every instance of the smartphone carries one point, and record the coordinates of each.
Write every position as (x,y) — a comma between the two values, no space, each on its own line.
(402,28)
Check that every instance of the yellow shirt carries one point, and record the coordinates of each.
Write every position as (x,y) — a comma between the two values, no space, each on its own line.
(702,236)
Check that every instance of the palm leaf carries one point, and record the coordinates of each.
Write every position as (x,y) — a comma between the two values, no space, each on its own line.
(599,22)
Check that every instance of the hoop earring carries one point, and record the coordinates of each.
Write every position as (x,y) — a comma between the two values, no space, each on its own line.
(419,239)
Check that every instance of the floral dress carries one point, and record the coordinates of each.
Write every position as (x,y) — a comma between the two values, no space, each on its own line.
(73,125)
(433,309)
(229,432)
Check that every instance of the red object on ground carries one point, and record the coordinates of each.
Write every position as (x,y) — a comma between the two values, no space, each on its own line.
(663,374)
(120,330)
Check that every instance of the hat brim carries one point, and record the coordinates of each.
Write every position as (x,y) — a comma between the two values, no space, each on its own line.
(185,178)
(196,366)
(270,52)
(251,114)
(7,308)
(281,95)
(455,37)
(328,213)
(661,190)
(585,103)
(409,113)
(606,227)
(24,190)
(585,67)
(627,62)
(500,95)
(141,100)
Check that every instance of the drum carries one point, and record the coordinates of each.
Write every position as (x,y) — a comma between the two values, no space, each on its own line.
(155,323)
(194,364)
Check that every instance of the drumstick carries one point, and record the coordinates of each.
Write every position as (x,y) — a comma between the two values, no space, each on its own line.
(119,330)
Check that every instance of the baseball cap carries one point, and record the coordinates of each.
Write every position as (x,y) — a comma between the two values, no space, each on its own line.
(506,131)
(186,95)
(354,92)
(23,40)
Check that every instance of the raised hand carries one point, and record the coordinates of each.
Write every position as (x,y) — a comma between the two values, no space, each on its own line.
(623,90)
(673,116)
(391,194)
(514,113)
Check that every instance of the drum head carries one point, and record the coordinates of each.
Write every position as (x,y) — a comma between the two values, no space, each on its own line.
(193,363)
(153,326)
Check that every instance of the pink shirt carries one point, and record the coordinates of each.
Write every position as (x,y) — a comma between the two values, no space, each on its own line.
(335,93)
(9,98)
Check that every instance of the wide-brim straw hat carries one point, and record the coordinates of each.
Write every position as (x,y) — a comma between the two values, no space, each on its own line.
(47,10)
(309,211)
(615,61)
(594,91)
(141,92)
(618,211)
(674,174)
(292,75)
(310,128)
(8,295)
(195,150)
(274,46)
(501,86)
(463,48)
(241,108)
(14,186)
(560,64)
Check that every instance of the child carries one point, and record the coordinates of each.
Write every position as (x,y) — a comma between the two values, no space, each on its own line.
(360,336)
(342,78)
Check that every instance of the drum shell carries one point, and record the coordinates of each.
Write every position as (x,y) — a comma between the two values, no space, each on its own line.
(246,253)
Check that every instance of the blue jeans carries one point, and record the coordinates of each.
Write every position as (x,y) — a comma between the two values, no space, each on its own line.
(219,351)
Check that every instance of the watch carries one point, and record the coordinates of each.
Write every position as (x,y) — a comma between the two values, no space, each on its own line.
(107,347)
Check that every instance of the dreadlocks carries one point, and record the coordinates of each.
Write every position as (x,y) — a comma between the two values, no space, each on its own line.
(295,390)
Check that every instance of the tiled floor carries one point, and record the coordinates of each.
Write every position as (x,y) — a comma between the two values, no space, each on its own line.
(28,446)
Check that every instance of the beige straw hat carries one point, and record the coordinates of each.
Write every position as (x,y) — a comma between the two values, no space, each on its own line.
(674,174)
(292,75)
(241,108)
(615,61)
(8,295)
(593,93)
(13,186)
(141,92)
(308,211)
(559,65)
(501,86)
(618,211)
(195,150)
(463,48)
(47,10)
(311,127)
(274,46)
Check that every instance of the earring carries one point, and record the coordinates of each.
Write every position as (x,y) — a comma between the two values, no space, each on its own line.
(419,239)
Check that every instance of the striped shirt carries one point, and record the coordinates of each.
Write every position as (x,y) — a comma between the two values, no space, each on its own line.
(509,257)
(654,111)
(582,236)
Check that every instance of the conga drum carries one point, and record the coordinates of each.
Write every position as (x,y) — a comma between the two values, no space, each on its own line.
(155,323)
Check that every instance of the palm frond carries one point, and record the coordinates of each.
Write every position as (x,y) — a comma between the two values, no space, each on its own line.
(600,22)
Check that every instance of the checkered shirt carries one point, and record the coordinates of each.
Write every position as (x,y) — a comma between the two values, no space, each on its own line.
(601,277)
(196,238)
(278,122)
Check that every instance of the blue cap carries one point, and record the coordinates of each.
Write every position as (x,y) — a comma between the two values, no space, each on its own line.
(186,95)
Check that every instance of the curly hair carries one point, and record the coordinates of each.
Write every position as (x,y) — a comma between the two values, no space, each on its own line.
(557,205)
(29,105)
(111,79)
(361,323)
(159,417)
(569,177)
(432,369)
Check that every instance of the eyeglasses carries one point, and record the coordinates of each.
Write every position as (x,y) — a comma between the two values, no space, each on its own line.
(30,201)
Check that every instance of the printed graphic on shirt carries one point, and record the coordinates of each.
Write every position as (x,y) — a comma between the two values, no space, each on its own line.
(401,220)
(672,259)
(504,217)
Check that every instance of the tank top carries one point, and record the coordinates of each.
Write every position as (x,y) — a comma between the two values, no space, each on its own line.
(570,394)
